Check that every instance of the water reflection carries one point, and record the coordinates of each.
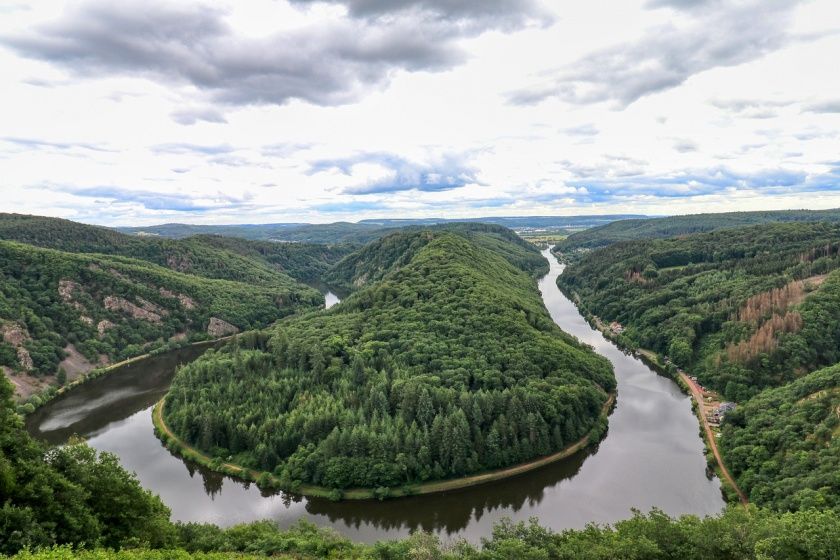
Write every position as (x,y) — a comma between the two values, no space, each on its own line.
(652,456)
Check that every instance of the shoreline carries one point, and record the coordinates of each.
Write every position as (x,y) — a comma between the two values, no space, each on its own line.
(186,451)
(48,396)
(651,359)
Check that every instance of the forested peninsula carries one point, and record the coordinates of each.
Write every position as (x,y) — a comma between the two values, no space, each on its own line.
(442,363)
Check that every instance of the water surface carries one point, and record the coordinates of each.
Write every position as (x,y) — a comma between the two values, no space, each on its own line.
(651,457)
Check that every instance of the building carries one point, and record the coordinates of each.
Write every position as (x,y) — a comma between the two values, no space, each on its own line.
(616,327)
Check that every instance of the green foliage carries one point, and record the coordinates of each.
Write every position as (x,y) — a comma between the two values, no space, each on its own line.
(447,365)
(30,299)
(735,535)
(70,495)
(689,309)
(784,445)
(264,263)
(657,228)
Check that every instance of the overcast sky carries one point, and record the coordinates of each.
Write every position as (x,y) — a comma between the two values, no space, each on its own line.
(121,112)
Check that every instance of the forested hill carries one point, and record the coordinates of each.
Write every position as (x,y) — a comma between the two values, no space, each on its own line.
(657,228)
(746,310)
(90,506)
(78,310)
(784,445)
(447,365)
(743,308)
(254,262)
(375,260)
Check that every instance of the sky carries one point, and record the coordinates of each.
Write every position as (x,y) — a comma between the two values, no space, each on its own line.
(136,113)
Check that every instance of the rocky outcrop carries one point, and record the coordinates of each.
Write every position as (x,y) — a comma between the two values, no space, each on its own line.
(15,335)
(152,307)
(24,359)
(218,327)
(103,326)
(66,289)
(113,303)
(179,263)
(185,301)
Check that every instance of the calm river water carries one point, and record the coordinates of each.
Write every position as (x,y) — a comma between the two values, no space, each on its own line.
(651,457)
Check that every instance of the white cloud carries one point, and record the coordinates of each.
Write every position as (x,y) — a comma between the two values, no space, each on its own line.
(233,112)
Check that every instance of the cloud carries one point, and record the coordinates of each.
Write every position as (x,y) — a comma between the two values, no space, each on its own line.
(684,146)
(832,106)
(157,201)
(496,14)
(391,173)
(191,116)
(181,148)
(332,62)
(38,144)
(719,35)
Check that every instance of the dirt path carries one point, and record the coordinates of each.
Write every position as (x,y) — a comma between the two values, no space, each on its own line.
(710,437)
(364,493)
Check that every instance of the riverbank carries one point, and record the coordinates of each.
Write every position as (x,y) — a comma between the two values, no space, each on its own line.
(652,360)
(54,392)
(266,479)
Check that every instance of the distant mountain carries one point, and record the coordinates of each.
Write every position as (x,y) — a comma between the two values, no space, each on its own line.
(360,232)
(653,228)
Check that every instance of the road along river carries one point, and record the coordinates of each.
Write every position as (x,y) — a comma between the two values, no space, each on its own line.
(651,457)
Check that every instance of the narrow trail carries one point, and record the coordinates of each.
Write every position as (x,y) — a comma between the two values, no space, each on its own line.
(710,437)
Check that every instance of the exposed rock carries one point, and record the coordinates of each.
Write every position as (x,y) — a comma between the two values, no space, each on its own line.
(153,307)
(186,301)
(103,326)
(86,320)
(114,303)
(14,334)
(24,359)
(218,327)
(179,263)
(66,289)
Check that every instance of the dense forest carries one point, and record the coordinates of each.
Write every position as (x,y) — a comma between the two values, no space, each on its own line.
(86,505)
(783,447)
(265,263)
(743,308)
(751,311)
(447,365)
(375,260)
(672,226)
(108,308)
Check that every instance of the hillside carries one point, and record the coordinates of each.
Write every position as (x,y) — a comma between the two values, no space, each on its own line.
(742,308)
(363,231)
(92,509)
(73,311)
(263,263)
(658,228)
(375,260)
(784,445)
(447,365)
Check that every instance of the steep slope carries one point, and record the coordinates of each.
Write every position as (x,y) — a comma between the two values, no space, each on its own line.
(744,308)
(372,262)
(658,228)
(104,308)
(447,365)
(784,445)
(211,257)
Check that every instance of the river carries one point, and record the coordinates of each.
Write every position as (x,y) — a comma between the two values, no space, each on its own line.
(651,457)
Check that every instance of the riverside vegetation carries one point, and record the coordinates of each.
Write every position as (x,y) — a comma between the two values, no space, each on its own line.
(72,289)
(754,312)
(443,363)
(71,502)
